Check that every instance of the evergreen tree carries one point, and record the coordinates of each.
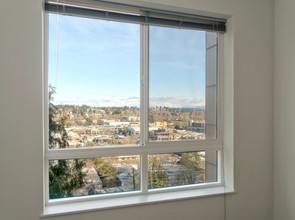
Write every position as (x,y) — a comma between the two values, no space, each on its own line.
(64,175)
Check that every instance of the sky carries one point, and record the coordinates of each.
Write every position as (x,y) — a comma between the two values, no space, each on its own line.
(97,63)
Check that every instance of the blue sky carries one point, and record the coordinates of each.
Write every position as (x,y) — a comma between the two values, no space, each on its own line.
(97,63)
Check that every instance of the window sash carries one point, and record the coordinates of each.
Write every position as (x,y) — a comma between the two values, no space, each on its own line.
(140,15)
(145,142)
(146,146)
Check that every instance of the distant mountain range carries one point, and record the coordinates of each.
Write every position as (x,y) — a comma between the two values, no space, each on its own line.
(170,102)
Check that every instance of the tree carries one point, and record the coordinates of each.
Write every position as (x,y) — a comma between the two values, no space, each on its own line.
(89,121)
(64,175)
(107,173)
(157,176)
(57,133)
(151,118)
(116,112)
(192,164)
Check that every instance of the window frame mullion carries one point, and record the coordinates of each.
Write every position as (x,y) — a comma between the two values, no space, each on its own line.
(144,93)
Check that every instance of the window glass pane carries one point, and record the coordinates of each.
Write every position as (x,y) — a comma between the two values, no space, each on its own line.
(93,76)
(83,177)
(177,169)
(182,84)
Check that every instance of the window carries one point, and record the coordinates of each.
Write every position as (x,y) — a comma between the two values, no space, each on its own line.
(134,102)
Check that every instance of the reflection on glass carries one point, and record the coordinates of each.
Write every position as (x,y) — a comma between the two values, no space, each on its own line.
(93,74)
(182,84)
(177,169)
(84,177)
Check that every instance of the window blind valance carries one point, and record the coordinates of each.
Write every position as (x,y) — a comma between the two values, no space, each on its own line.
(134,14)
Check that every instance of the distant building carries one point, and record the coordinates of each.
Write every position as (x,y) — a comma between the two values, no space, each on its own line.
(130,118)
(161,135)
(196,126)
(113,123)
(161,124)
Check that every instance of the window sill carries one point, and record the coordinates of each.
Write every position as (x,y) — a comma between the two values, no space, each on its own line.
(88,206)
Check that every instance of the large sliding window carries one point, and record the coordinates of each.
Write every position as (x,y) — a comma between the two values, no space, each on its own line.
(132,101)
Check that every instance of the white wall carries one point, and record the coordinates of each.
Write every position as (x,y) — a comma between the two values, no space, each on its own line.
(21,117)
(284,110)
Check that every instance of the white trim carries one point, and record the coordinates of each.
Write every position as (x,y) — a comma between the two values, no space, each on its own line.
(144,173)
(228,105)
(45,109)
(144,33)
(220,106)
(143,73)
(145,83)
(220,86)
(86,206)
(77,153)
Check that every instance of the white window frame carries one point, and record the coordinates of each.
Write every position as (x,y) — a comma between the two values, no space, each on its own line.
(145,195)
